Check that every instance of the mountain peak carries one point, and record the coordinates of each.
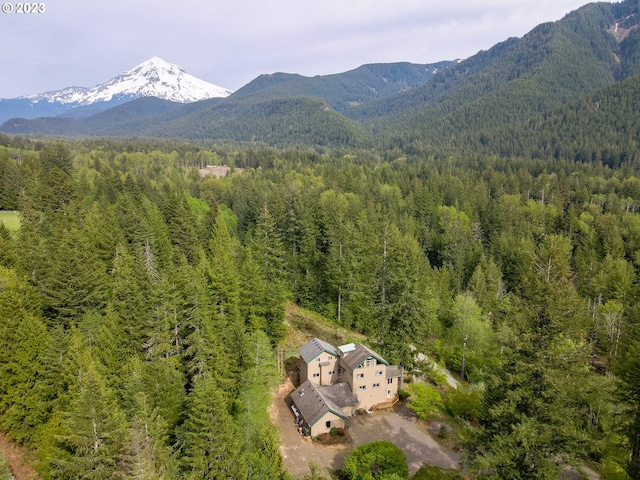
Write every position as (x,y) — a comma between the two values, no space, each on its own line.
(152,78)
(155,63)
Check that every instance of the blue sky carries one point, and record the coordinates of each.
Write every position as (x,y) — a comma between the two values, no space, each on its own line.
(83,43)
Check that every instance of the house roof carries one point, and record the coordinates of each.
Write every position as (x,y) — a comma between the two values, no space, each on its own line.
(313,403)
(339,393)
(315,347)
(359,355)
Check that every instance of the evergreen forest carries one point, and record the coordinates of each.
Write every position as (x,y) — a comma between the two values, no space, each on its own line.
(143,304)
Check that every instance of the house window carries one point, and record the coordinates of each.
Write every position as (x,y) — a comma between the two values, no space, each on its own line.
(371,362)
(331,372)
(362,387)
(329,357)
(376,385)
(389,380)
(360,366)
(318,359)
(360,375)
(327,424)
(379,373)
(316,375)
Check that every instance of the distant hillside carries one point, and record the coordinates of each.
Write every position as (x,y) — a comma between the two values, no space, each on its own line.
(553,64)
(602,127)
(103,122)
(305,121)
(345,90)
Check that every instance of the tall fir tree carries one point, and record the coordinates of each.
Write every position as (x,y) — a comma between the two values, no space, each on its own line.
(211,449)
(92,430)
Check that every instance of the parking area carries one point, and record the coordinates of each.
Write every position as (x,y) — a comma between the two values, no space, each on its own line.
(400,427)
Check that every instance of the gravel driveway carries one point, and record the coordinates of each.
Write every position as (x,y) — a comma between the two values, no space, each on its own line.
(401,428)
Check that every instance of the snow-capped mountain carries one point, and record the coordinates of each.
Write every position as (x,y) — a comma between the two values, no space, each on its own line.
(153,78)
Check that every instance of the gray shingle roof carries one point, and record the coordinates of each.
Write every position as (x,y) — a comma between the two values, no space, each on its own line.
(359,355)
(315,347)
(339,393)
(312,404)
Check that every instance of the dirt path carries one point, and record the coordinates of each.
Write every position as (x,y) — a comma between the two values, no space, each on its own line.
(453,383)
(15,457)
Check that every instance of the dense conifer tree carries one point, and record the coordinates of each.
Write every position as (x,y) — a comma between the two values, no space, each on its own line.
(210,444)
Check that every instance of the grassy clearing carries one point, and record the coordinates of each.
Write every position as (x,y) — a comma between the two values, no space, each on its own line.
(303,325)
(11,219)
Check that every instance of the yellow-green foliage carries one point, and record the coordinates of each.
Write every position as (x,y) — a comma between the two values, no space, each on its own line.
(198,207)
(424,400)
(5,473)
(11,220)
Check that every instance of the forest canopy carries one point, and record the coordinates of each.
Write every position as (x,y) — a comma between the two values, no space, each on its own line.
(143,304)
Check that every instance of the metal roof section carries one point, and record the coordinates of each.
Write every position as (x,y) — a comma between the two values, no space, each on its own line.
(312,404)
(349,347)
(357,357)
(315,347)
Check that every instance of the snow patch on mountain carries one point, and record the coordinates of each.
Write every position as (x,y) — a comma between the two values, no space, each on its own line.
(153,78)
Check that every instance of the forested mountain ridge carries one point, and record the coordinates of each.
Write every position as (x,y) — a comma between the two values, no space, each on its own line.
(553,64)
(345,90)
(245,115)
(601,127)
(260,111)
(114,121)
(285,121)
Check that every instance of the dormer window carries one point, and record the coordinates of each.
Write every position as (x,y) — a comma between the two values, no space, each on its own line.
(371,362)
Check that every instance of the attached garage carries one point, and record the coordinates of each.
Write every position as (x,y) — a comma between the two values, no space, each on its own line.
(319,409)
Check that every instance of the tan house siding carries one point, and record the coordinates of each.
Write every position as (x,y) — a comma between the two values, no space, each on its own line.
(321,370)
(321,425)
(369,383)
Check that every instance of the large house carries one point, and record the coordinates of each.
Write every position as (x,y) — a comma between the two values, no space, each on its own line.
(335,382)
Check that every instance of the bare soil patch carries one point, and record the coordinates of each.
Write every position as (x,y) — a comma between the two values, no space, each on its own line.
(17,458)
(218,171)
